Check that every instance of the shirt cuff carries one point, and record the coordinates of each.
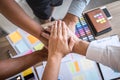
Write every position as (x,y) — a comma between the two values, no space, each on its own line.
(77,6)
(95,52)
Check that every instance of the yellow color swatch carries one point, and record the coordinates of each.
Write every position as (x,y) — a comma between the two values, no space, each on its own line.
(32,39)
(79,77)
(86,64)
(77,66)
(39,46)
(27,72)
(15,37)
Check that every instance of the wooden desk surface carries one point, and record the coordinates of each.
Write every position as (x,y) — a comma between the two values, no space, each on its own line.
(114,9)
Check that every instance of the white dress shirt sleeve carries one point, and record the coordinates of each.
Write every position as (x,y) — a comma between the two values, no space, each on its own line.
(108,55)
(77,6)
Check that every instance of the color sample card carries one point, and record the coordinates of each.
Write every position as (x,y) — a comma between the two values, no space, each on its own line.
(27,72)
(91,75)
(32,39)
(78,77)
(72,67)
(86,64)
(15,36)
(29,52)
(39,46)
(22,47)
(77,66)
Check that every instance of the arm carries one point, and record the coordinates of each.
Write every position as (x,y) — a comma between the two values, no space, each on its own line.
(75,10)
(58,48)
(13,66)
(12,11)
(108,55)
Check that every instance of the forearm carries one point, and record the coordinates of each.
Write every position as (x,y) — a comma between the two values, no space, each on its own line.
(75,10)
(14,66)
(52,69)
(108,55)
(13,12)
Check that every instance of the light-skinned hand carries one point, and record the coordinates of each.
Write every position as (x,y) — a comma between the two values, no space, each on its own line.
(59,44)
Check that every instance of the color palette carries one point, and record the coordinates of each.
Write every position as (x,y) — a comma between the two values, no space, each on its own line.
(23,42)
(82,30)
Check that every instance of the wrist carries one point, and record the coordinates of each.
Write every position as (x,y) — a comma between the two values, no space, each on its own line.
(55,58)
(81,47)
(71,21)
(55,54)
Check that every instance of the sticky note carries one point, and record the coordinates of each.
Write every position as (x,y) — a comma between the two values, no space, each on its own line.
(86,64)
(78,77)
(77,66)
(21,47)
(27,72)
(93,76)
(39,46)
(32,39)
(71,67)
(28,52)
(15,37)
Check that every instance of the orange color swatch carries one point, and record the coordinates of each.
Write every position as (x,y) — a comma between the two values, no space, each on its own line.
(77,66)
(15,36)
(32,39)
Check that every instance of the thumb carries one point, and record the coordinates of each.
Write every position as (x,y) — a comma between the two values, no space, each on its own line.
(71,43)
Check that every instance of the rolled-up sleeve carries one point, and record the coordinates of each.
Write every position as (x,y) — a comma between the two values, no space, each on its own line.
(108,55)
(77,6)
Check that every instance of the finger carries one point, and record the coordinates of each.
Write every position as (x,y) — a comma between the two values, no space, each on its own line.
(48,29)
(55,29)
(52,32)
(45,35)
(59,28)
(64,30)
(71,43)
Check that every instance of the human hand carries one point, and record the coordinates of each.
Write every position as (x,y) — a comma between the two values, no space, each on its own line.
(71,21)
(59,45)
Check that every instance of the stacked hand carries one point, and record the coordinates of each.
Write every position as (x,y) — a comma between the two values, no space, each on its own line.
(59,43)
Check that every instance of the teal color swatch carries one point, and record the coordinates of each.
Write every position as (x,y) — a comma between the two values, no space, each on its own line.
(22,47)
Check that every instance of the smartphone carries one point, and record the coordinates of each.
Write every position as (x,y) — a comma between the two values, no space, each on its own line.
(107,13)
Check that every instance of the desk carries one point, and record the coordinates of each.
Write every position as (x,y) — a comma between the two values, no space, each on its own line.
(114,9)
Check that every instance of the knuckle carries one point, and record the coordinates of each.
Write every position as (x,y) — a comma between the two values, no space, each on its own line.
(60,37)
(65,39)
